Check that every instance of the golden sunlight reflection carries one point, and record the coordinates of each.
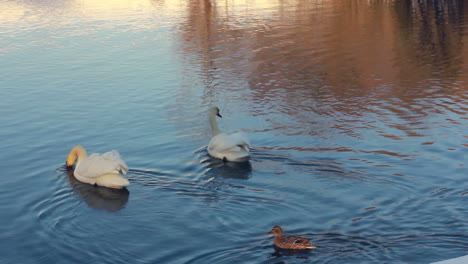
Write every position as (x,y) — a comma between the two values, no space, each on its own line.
(21,11)
(353,56)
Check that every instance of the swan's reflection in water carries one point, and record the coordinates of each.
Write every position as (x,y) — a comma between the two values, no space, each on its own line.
(97,197)
(218,168)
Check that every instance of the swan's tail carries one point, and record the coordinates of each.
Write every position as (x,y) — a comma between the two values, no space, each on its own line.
(239,154)
(112,180)
(244,147)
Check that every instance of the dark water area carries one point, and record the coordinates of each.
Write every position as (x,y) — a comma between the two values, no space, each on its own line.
(356,111)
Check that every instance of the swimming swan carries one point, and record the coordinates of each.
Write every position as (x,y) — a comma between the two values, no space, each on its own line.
(228,147)
(104,170)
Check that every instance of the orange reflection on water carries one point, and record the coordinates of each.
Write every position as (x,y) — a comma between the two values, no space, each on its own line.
(358,53)
(348,55)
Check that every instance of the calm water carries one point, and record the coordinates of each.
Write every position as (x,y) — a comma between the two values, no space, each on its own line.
(356,111)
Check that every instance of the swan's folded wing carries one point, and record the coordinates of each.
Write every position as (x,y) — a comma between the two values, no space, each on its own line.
(115,155)
(223,142)
(240,138)
(97,165)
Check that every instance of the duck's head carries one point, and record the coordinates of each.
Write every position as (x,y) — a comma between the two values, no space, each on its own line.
(215,111)
(276,230)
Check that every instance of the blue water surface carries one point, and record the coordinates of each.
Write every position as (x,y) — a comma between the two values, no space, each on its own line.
(356,112)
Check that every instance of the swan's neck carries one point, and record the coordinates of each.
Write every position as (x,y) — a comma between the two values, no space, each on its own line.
(76,155)
(214,124)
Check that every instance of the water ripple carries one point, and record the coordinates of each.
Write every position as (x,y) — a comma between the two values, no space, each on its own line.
(356,111)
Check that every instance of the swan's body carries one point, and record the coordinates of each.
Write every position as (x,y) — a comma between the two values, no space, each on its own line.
(230,147)
(103,170)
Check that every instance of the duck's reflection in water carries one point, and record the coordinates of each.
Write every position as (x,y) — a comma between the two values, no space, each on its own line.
(279,253)
(218,168)
(97,197)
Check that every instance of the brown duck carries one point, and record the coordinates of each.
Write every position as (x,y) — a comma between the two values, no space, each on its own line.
(289,242)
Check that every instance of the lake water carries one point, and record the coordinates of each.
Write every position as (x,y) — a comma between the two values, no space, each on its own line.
(356,111)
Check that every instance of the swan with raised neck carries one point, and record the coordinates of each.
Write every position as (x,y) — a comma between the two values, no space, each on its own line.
(228,147)
(212,114)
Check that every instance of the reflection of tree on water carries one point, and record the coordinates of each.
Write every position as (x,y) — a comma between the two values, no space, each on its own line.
(97,197)
(339,57)
(431,33)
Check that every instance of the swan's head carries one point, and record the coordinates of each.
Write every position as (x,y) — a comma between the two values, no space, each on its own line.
(215,111)
(71,159)
(74,154)
(276,230)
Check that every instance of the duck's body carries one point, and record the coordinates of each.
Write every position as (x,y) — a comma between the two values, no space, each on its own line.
(103,170)
(289,242)
(229,147)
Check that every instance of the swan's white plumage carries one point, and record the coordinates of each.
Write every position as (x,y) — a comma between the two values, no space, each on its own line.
(101,169)
(232,147)
(97,165)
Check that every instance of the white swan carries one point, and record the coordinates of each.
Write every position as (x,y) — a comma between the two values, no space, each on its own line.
(104,170)
(230,147)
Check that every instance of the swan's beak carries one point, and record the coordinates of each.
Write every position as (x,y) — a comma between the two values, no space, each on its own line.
(68,166)
(218,114)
